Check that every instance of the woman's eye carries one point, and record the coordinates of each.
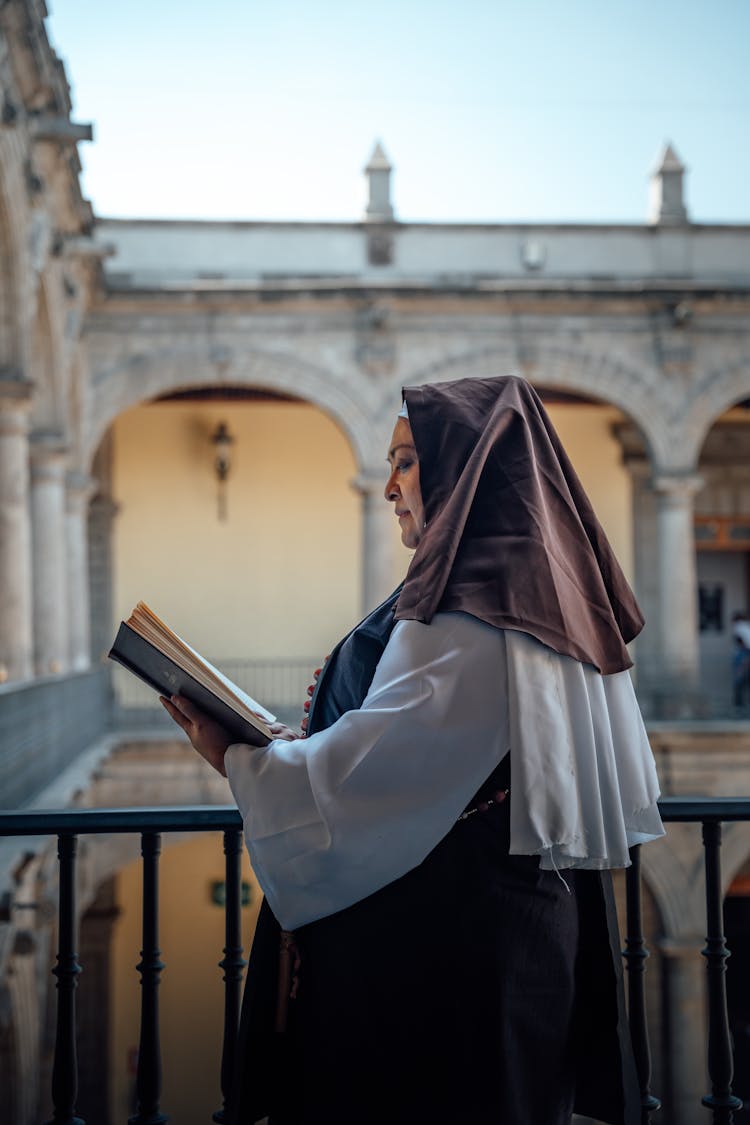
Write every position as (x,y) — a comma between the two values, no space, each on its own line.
(402,466)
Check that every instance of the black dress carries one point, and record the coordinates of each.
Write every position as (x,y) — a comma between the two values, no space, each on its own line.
(474,990)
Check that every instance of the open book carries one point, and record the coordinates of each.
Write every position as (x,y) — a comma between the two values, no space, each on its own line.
(150,650)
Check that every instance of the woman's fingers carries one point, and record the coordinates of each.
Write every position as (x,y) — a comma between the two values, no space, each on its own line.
(192,713)
(209,738)
(175,712)
(280,730)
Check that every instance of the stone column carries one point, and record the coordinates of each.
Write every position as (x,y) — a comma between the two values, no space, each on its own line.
(101,518)
(678,610)
(687,1031)
(80,488)
(645,570)
(377,540)
(15,535)
(48,456)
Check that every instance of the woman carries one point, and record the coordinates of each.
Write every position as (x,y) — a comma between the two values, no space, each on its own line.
(475,759)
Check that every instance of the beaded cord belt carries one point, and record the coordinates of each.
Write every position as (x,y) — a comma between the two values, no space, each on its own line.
(497,798)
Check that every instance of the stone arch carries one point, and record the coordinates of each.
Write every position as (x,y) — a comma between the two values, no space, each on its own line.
(142,377)
(563,366)
(673,869)
(112,853)
(716,392)
(102,856)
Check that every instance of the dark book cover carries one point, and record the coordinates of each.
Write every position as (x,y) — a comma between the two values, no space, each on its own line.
(146,662)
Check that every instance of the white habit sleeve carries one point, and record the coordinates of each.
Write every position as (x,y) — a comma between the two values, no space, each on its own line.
(332,818)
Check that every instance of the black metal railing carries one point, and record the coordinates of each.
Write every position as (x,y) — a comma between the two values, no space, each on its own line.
(68,824)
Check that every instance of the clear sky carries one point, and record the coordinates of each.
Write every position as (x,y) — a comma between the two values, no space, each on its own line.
(490,110)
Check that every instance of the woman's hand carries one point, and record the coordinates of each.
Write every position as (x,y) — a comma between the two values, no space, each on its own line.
(209,738)
(278,730)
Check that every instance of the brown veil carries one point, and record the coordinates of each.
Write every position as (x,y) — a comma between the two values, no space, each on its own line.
(510,535)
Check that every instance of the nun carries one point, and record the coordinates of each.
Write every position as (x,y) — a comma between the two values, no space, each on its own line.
(438,942)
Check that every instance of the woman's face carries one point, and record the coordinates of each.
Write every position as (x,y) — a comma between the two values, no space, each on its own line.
(403,484)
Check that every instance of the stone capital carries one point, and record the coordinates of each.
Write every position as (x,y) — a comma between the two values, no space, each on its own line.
(14,418)
(638,467)
(80,482)
(79,488)
(48,452)
(15,390)
(677,486)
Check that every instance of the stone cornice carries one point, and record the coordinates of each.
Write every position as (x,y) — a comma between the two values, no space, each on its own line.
(296,289)
(59,130)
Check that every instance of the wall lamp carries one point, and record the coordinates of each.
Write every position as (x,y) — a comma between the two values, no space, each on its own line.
(222,441)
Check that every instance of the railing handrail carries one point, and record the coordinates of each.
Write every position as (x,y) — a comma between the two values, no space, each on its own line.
(704,808)
(210,818)
(157,818)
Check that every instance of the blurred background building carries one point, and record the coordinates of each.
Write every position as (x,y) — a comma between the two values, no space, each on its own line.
(196,414)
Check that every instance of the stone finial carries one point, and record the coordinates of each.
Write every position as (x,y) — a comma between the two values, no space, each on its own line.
(378,172)
(667,205)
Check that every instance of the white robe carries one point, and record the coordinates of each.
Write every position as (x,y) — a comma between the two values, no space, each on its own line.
(334,817)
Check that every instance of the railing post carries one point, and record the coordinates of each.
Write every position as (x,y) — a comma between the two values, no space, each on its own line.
(65,1066)
(720,1066)
(148,1078)
(232,963)
(635,955)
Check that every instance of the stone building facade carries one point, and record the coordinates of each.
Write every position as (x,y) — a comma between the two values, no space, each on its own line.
(97,317)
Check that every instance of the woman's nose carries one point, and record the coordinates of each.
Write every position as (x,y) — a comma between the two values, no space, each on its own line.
(391,490)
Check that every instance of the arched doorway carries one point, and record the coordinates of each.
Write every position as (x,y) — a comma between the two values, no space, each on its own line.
(722,532)
(262,567)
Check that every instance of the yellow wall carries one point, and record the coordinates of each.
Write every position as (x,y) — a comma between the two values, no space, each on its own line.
(280,577)
(586,433)
(191,996)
